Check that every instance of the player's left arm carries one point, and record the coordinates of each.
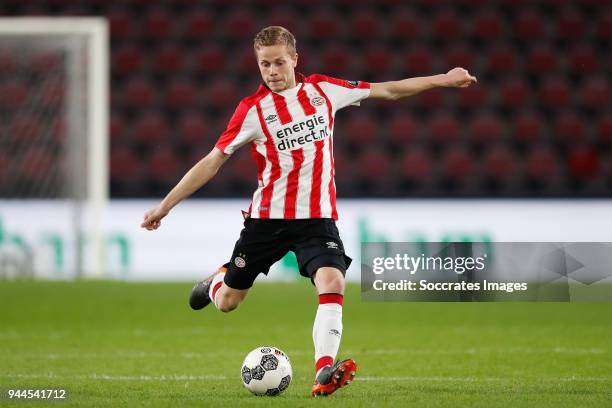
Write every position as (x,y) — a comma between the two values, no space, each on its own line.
(393,90)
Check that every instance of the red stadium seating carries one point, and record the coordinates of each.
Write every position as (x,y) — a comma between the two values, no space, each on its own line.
(528,26)
(570,25)
(373,166)
(583,162)
(447,26)
(192,129)
(488,26)
(168,59)
(405,25)
(222,95)
(362,130)
(582,59)
(554,93)
(595,93)
(139,93)
(365,25)
(485,128)
(569,127)
(514,93)
(500,164)
(418,61)
(459,56)
(37,164)
(501,59)
(457,164)
(604,127)
(542,164)
(124,165)
(209,59)
(403,129)
(284,18)
(603,28)
(117,129)
(528,127)
(474,97)
(542,59)
(240,25)
(444,128)
(197,25)
(151,128)
(25,128)
(121,25)
(324,24)
(180,94)
(157,25)
(13,93)
(164,165)
(336,60)
(127,60)
(415,164)
(377,60)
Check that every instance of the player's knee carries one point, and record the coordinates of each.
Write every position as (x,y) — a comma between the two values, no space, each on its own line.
(329,280)
(227,303)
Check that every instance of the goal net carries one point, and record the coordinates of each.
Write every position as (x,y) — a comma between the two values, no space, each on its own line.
(53,146)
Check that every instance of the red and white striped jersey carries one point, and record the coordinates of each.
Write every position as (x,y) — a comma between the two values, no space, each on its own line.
(291,137)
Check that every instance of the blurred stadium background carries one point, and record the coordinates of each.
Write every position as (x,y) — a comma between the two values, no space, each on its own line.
(537,125)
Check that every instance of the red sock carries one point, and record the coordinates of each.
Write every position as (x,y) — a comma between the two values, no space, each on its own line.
(322,362)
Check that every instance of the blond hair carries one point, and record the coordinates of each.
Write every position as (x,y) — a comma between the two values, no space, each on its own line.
(274,35)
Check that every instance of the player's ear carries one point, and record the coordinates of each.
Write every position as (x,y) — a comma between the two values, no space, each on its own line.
(295,60)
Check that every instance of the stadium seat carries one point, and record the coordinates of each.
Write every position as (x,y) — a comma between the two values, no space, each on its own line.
(45,61)
(487,26)
(180,94)
(121,25)
(245,62)
(51,93)
(433,99)
(459,56)
(222,94)
(405,26)
(514,93)
(415,165)
(542,164)
(168,59)
(124,165)
(456,164)
(239,24)
(569,127)
(139,93)
(117,128)
(499,164)
(164,165)
(604,127)
(541,60)
(603,29)
(323,24)
(570,25)
(402,129)
(192,129)
(418,60)
(210,59)
(364,25)
(528,127)
(485,128)
(336,60)
(554,93)
(583,162)
(157,25)
(502,59)
(447,26)
(151,128)
(127,60)
(361,130)
(9,61)
(474,97)
(377,60)
(595,93)
(583,59)
(373,166)
(443,128)
(198,25)
(528,26)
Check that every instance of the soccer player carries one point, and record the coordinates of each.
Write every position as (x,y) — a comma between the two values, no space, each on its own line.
(288,123)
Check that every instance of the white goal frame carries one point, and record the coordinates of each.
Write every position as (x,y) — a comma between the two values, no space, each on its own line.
(95,31)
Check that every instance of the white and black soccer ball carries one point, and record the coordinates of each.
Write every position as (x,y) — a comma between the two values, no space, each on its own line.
(266,371)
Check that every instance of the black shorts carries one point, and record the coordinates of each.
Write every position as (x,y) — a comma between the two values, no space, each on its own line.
(315,242)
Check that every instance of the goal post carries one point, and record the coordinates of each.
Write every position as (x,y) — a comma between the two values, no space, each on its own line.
(82,161)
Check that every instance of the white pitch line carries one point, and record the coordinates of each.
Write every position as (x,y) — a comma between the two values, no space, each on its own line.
(186,377)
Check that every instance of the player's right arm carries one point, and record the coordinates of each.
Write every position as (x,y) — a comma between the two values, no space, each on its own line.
(194,179)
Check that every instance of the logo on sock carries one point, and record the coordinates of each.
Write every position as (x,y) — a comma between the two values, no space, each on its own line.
(334,332)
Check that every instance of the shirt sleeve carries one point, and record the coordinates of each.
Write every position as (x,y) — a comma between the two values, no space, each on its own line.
(241,129)
(343,93)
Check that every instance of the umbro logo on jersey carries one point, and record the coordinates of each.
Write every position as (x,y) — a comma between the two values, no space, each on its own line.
(271,118)
(317,101)
(332,245)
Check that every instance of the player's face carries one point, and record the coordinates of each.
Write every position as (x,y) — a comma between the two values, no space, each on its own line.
(277,65)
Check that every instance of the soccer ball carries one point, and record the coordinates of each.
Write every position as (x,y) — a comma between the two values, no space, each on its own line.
(266,371)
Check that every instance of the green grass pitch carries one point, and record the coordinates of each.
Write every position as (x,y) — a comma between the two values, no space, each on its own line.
(139,344)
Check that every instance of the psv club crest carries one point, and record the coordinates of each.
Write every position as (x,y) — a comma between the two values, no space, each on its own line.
(317,101)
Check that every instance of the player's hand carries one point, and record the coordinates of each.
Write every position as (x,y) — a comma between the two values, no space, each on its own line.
(153,217)
(459,78)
